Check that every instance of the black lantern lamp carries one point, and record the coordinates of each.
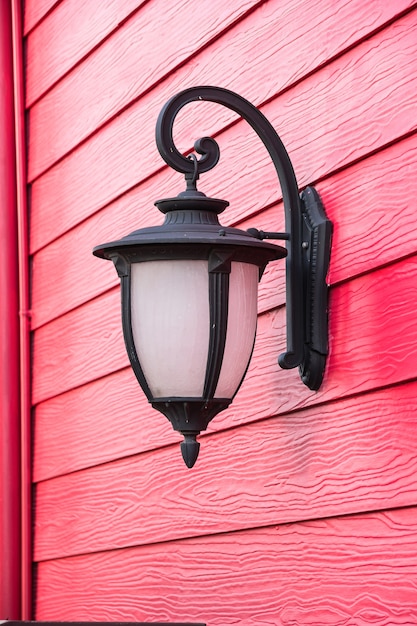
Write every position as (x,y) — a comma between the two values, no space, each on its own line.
(189,286)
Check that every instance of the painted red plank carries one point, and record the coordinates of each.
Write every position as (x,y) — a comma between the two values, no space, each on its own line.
(357,571)
(366,336)
(99,422)
(67,35)
(359,86)
(82,344)
(35,10)
(149,46)
(371,211)
(325,461)
(368,204)
(61,121)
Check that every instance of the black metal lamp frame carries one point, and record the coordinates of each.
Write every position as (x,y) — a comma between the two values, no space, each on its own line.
(192,231)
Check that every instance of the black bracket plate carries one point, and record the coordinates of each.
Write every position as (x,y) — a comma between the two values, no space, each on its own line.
(316,245)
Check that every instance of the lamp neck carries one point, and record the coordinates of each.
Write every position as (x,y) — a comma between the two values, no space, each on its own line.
(191,207)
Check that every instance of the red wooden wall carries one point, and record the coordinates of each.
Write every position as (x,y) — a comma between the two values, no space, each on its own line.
(302,506)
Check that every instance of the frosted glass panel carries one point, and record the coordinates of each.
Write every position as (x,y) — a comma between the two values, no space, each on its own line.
(241,327)
(171,324)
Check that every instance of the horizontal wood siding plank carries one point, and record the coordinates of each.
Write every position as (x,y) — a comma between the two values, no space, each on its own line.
(384,200)
(370,318)
(35,10)
(343,457)
(66,36)
(354,95)
(357,571)
(78,347)
(327,29)
(148,47)
(99,422)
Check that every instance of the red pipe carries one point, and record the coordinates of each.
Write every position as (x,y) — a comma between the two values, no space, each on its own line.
(24,313)
(11,429)
(10,513)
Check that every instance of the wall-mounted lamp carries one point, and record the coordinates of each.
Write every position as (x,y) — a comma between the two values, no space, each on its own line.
(189,287)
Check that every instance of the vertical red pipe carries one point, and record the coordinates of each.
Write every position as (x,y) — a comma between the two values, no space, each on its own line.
(10,445)
(24,314)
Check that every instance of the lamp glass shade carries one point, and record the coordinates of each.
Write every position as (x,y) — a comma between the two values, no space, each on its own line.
(170,319)
(241,327)
(171,325)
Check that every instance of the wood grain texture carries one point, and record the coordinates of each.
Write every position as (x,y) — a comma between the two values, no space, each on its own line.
(99,422)
(367,203)
(128,64)
(35,10)
(74,189)
(71,31)
(345,457)
(357,571)
(327,29)
(83,345)
(372,334)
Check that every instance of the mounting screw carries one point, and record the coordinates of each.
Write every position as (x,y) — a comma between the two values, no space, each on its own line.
(305,245)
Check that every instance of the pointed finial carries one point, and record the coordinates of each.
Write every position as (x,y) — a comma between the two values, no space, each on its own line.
(190,449)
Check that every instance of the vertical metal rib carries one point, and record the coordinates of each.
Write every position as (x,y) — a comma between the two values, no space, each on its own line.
(219,306)
(124,268)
